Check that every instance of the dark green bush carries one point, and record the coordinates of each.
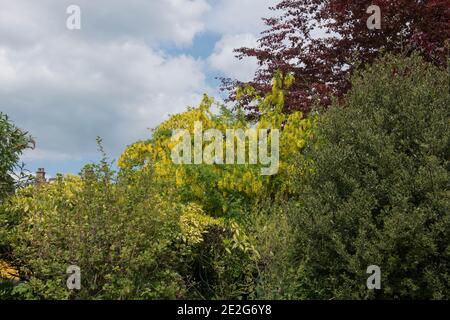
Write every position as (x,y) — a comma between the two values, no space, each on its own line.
(12,143)
(378,190)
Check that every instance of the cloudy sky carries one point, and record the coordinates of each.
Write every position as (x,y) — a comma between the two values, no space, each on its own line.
(132,64)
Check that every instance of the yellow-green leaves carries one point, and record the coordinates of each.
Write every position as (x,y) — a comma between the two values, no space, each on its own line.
(215,186)
(194,223)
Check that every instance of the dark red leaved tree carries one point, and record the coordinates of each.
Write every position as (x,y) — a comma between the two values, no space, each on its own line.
(321,64)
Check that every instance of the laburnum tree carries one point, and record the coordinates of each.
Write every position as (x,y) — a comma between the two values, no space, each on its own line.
(323,41)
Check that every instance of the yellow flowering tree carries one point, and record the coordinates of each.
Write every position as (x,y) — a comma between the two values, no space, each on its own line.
(222,189)
(156,228)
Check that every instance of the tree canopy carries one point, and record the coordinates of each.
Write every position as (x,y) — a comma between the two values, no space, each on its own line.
(322,64)
(13,141)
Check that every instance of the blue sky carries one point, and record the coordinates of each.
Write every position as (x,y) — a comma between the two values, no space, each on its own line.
(131,65)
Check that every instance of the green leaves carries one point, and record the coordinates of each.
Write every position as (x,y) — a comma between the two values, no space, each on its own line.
(367,184)
(377,192)
(12,143)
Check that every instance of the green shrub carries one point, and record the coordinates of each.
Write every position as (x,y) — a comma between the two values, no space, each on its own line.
(371,188)
(378,190)
(269,230)
(119,234)
(12,143)
(130,236)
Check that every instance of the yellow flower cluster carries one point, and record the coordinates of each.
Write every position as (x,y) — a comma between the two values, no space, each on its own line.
(8,272)
(229,180)
(135,155)
(194,223)
(248,182)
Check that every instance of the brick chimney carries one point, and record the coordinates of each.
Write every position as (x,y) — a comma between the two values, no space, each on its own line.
(40,176)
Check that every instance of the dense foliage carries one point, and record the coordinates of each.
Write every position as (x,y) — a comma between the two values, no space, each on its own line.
(224,189)
(13,142)
(378,192)
(293,43)
(130,240)
(155,229)
(363,183)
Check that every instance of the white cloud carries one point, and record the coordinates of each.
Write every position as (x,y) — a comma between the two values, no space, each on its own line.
(238,16)
(111,78)
(108,79)
(240,24)
(116,90)
(178,21)
(223,57)
(42,154)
